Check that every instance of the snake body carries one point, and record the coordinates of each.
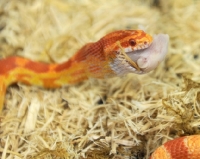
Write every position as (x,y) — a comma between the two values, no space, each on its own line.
(116,54)
(187,147)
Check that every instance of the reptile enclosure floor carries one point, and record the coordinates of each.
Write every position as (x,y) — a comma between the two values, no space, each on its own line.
(115,118)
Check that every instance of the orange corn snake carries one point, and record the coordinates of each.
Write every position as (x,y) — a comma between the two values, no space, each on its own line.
(115,54)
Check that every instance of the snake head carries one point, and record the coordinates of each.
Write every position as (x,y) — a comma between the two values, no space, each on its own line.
(130,40)
(136,51)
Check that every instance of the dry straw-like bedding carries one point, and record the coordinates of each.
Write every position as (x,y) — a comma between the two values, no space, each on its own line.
(126,117)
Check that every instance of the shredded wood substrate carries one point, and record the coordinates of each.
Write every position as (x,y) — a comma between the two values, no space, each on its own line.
(123,117)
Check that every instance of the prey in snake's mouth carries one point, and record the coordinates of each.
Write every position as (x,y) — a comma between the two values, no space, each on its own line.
(124,53)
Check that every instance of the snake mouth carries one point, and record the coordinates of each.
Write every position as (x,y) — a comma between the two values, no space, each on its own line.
(124,55)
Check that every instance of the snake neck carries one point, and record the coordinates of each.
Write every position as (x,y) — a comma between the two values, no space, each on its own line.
(89,61)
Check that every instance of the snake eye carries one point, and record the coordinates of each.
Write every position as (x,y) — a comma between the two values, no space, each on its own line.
(132,42)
